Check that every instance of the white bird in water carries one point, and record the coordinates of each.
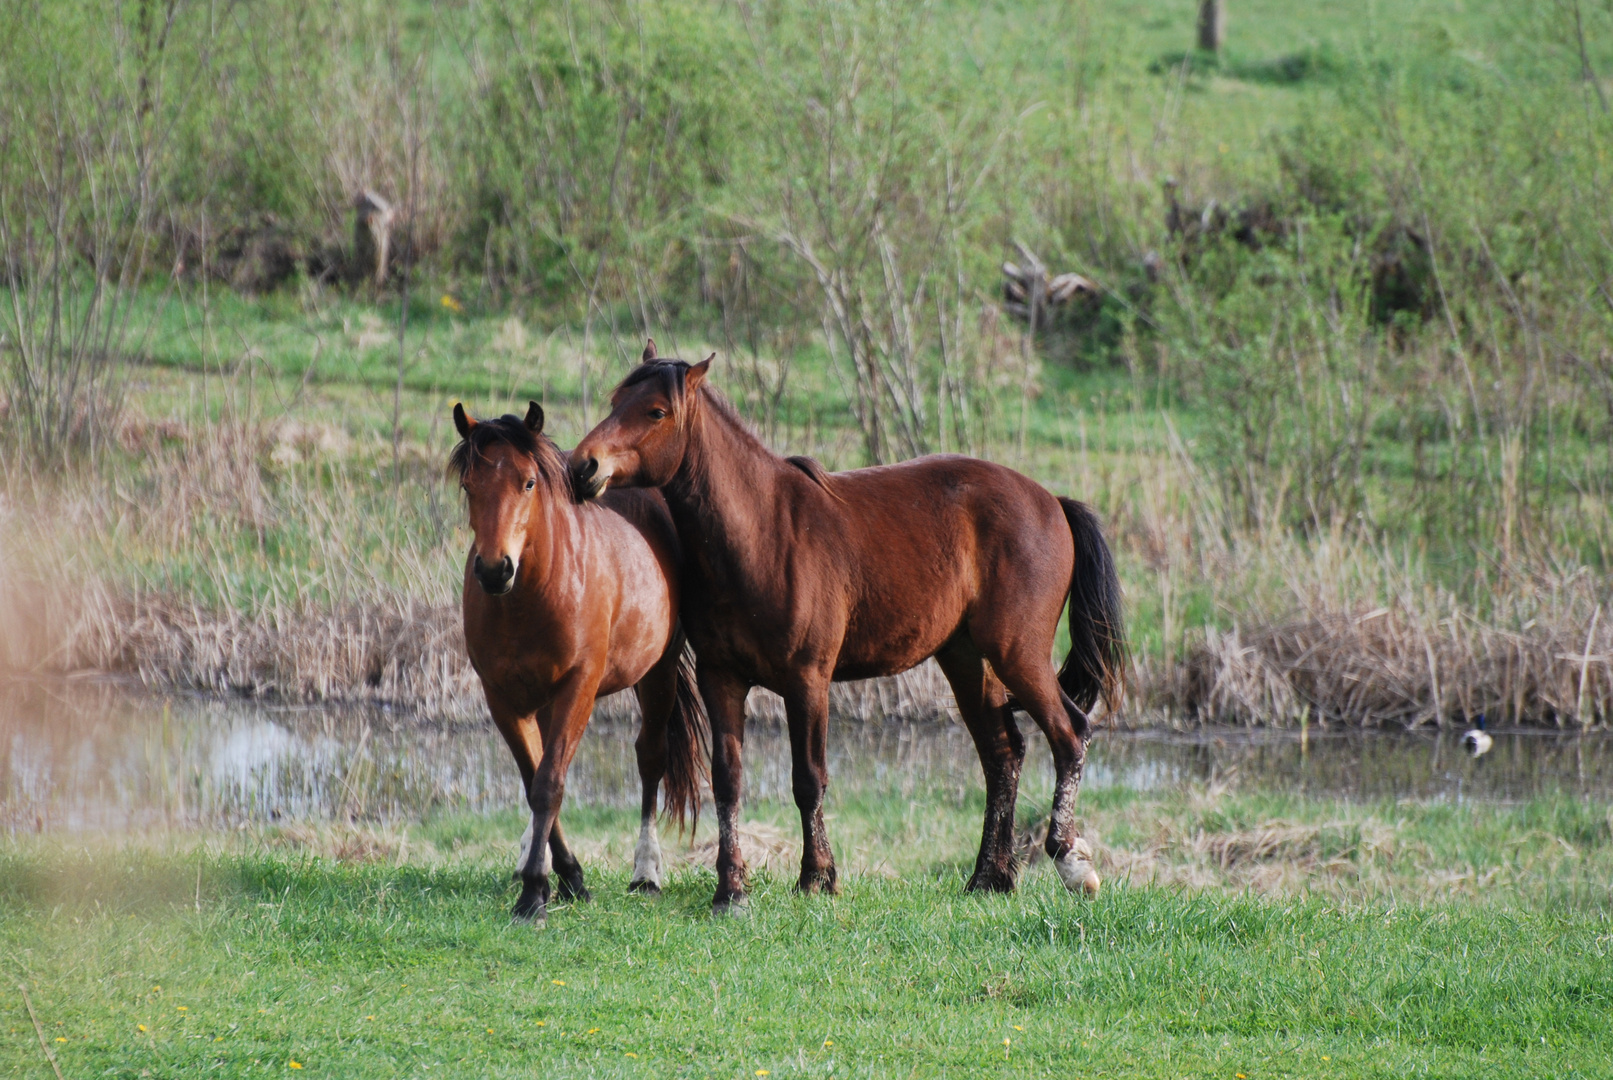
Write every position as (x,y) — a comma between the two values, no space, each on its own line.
(1477,742)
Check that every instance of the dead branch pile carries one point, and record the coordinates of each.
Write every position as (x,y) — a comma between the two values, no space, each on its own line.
(1029,291)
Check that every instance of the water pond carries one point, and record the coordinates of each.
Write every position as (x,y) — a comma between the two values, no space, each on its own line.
(95,755)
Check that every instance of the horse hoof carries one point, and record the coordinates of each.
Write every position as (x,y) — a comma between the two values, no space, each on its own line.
(1076,870)
(533,915)
(736,906)
(993,881)
(647,888)
(817,883)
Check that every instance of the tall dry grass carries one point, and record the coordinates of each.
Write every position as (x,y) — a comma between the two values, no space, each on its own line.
(140,573)
(275,559)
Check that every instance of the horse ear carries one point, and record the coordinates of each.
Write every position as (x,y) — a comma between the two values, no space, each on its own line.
(534,417)
(463,420)
(649,350)
(697,374)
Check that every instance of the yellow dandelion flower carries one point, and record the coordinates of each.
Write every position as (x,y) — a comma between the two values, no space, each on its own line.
(60,1039)
(293,1064)
(828,1043)
(541,1023)
(369,1018)
(1240,1076)
(142,1027)
(590,1031)
(490,1031)
(156,989)
(631,1054)
(218,1038)
(558,982)
(451,304)
(1326,1058)
(762,1072)
(181,1008)
(1018,1028)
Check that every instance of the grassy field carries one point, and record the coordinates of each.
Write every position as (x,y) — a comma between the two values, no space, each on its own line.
(1391,939)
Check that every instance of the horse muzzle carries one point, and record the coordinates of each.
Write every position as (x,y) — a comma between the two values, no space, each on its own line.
(496,579)
(587,480)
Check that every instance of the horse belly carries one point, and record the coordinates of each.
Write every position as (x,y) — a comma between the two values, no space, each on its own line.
(888,636)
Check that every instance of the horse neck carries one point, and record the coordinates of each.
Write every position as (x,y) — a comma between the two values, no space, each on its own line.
(553,543)
(727,482)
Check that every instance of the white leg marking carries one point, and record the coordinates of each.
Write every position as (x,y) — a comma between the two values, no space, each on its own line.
(526,848)
(1076,870)
(647,857)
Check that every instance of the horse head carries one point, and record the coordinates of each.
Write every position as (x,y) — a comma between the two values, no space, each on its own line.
(643,440)
(506,468)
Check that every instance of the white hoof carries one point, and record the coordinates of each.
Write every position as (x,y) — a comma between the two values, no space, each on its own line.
(647,869)
(1076,870)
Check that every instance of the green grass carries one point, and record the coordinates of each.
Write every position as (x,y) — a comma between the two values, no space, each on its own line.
(375,971)
(178,955)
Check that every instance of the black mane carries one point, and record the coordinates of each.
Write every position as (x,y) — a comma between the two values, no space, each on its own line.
(512,431)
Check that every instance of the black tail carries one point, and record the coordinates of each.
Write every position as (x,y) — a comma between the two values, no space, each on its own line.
(1098,660)
(688,739)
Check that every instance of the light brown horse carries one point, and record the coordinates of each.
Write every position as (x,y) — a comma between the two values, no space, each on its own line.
(795,577)
(564,603)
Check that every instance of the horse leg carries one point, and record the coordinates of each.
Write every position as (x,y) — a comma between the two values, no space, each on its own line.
(566,866)
(983,705)
(526,746)
(724,694)
(1029,677)
(807,708)
(561,725)
(655,699)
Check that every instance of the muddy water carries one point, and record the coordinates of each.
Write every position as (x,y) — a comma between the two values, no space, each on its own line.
(91,755)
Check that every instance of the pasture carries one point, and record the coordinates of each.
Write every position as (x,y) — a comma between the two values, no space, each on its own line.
(1411,939)
(1340,392)
(1354,904)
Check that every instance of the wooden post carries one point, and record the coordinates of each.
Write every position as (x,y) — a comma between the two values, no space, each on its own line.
(1212,25)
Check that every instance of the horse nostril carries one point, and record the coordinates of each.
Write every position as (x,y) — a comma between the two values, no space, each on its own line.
(506,569)
(589,467)
(478,567)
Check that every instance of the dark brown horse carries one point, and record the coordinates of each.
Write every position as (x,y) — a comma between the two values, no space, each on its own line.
(796,577)
(564,603)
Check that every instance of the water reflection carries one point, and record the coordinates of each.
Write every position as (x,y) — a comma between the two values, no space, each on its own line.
(93,755)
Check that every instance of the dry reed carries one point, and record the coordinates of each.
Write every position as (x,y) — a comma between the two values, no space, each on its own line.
(1336,629)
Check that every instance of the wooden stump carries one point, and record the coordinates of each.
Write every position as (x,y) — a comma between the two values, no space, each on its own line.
(372,236)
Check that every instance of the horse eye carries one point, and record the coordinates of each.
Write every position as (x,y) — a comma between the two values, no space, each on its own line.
(530,484)
(657,414)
